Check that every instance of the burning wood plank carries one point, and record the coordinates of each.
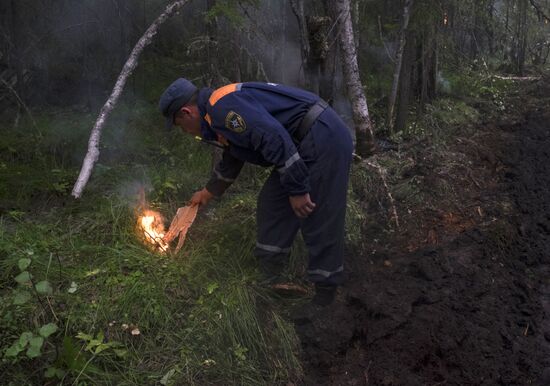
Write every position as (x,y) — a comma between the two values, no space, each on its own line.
(180,225)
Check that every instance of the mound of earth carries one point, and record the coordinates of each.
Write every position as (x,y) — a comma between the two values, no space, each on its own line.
(470,303)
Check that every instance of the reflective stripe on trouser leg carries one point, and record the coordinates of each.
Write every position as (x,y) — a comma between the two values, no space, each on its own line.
(276,226)
(323,231)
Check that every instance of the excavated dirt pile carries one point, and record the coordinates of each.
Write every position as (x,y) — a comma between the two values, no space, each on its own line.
(470,304)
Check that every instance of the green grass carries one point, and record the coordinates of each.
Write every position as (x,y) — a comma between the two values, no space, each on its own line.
(201,316)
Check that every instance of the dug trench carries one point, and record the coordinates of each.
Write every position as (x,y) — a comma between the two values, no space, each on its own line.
(463,299)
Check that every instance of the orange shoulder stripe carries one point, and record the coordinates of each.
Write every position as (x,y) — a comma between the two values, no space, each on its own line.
(223,91)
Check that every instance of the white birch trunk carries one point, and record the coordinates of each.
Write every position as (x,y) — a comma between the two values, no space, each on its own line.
(363,125)
(93,143)
(398,62)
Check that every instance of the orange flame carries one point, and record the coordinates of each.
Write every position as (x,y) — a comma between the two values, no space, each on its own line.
(152,225)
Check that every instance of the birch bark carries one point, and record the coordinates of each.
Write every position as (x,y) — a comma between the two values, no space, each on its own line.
(398,63)
(365,144)
(93,143)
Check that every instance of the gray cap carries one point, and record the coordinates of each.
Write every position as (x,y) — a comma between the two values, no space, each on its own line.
(174,97)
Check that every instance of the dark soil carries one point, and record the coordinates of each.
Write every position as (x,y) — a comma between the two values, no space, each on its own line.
(465,298)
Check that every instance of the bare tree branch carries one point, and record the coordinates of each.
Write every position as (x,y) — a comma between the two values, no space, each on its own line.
(539,10)
(93,144)
(21,103)
(390,56)
(298,10)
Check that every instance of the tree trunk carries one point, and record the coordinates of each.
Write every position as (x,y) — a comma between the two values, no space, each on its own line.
(93,143)
(16,57)
(355,13)
(434,68)
(489,28)
(214,79)
(365,145)
(506,28)
(423,72)
(315,49)
(473,34)
(405,84)
(86,75)
(398,62)
(281,56)
(298,9)
(522,38)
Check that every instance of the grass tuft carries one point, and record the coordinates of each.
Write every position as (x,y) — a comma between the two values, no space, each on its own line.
(195,318)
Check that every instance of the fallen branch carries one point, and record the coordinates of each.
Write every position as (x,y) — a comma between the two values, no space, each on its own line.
(539,10)
(517,77)
(93,143)
(21,103)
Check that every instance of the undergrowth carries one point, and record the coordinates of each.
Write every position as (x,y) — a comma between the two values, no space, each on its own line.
(119,313)
(82,301)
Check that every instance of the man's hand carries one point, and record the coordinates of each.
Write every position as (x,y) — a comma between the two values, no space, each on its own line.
(302,205)
(202,197)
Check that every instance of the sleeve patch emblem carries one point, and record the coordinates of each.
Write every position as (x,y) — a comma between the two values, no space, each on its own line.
(235,122)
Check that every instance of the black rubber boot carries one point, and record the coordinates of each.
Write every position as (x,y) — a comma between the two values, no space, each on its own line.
(324,294)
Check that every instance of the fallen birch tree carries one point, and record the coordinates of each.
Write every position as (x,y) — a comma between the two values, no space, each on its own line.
(93,143)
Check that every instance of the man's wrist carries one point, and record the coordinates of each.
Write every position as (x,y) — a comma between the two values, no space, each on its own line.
(217,187)
(208,193)
(294,194)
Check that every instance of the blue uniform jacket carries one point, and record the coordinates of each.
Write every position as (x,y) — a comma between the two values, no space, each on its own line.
(257,120)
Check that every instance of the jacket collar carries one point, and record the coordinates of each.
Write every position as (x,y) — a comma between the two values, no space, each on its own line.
(202,100)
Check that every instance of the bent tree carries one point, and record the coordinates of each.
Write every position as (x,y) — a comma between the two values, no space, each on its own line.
(93,143)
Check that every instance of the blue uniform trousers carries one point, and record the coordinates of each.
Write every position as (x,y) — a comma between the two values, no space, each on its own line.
(327,151)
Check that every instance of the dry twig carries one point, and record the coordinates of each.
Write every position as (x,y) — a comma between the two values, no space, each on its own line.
(382,173)
(21,103)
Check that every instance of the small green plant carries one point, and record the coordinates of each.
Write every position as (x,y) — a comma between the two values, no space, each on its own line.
(98,344)
(29,341)
(26,284)
(201,316)
(71,361)
(33,342)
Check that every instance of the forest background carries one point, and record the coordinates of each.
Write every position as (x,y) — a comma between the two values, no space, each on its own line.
(81,299)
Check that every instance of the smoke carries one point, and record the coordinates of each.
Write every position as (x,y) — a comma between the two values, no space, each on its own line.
(74,51)
(134,193)
(269,35)
(443,84)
